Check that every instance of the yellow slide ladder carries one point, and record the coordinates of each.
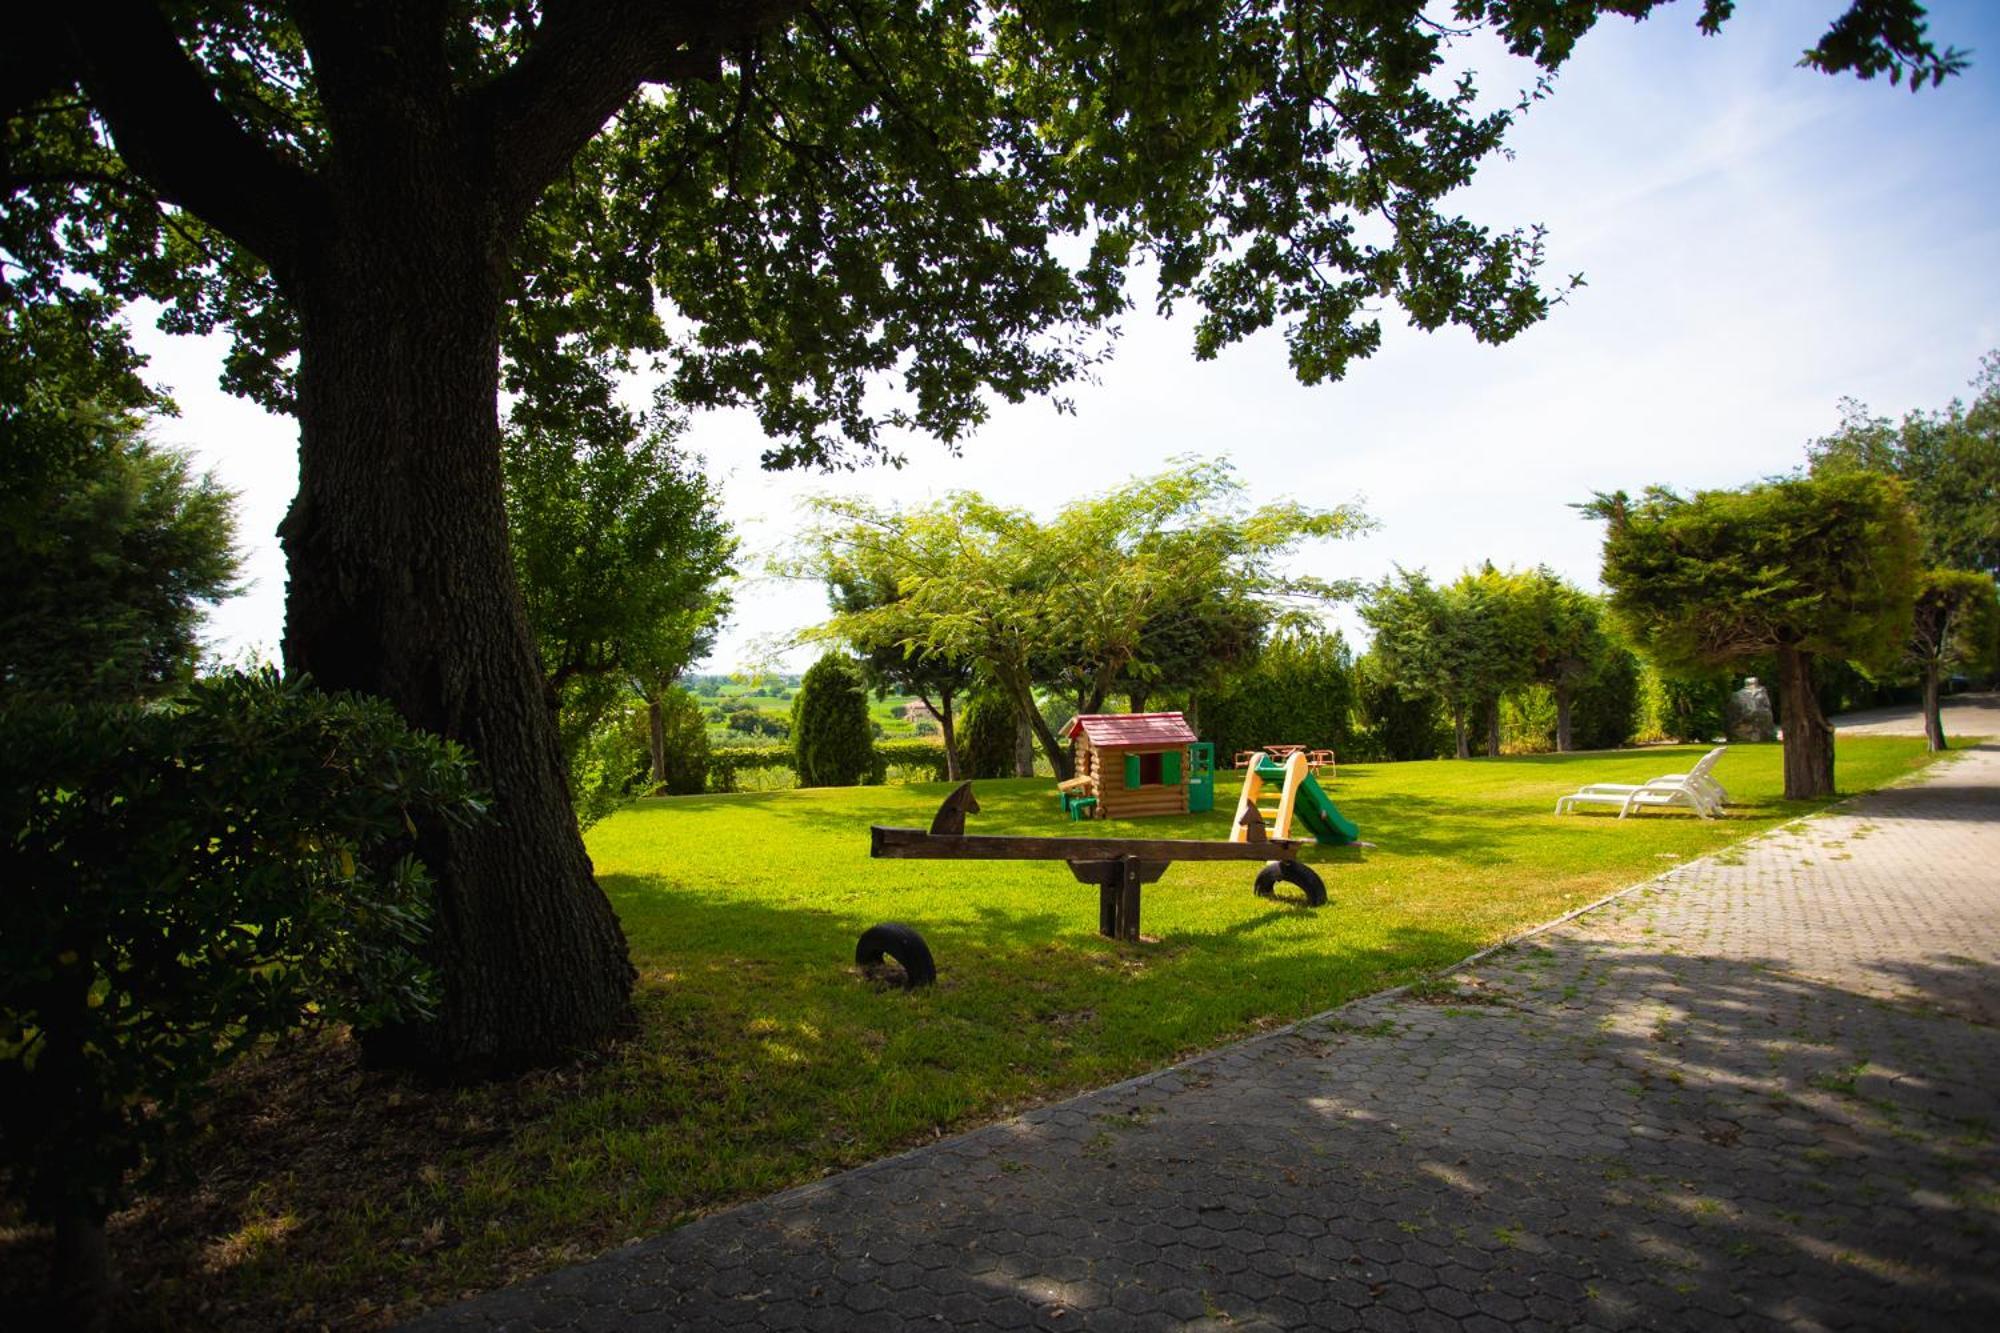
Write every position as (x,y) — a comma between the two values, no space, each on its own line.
(1277,818)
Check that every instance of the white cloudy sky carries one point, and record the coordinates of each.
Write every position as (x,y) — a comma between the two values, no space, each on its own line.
(1758,241)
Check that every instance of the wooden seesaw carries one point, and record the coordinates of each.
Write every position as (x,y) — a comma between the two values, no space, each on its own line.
(1118,866)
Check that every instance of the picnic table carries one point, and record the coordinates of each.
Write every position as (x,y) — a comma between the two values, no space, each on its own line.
(1315,759)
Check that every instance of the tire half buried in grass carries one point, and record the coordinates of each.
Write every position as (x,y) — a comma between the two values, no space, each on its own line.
(903,944)
(1292,872)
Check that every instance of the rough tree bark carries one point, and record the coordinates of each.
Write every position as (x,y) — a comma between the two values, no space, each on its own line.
(1808,747)
(401,586)
(392,249)
(1934,708)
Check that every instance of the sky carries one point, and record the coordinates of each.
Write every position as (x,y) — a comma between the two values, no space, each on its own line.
(1758,241)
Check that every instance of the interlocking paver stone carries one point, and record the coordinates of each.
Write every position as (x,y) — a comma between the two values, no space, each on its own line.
(1758,1092)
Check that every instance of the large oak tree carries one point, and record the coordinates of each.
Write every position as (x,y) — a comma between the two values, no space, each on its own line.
(368,193)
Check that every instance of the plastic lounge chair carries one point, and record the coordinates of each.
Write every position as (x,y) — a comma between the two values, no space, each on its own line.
(1695,790)
(1700,776)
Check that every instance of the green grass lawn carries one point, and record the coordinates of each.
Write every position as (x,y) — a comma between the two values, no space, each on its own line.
(766,1059)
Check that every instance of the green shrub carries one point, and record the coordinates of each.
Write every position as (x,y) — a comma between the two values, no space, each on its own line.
(1298,690)
(609,763)
(1684,708)
(988,737)
(1606,713)
(730,765)
(833,738)
(684,744)
(922,761)
(182,882)
(1528,721)
(1394,727)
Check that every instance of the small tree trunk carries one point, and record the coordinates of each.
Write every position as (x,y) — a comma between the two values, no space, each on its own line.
(1933,708)
(1034,728)
(1136,699)
(1461,733)
(1563,742)
(1808,738)
(949,727)
(1193,713)
(656,724)
(1493,729)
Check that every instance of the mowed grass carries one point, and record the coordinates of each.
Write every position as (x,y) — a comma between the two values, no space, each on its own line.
(765,1058)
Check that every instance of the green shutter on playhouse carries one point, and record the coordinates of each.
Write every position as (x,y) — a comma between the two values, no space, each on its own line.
(1131,771)
(1170,768)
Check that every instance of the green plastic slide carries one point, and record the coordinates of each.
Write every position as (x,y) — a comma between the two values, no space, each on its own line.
(1313,809)
(1323,817)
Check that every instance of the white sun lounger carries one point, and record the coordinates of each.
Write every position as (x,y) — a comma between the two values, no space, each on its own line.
(1695,790)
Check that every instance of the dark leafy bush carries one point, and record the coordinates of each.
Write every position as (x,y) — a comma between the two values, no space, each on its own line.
(988,737)
(683,744)
(1607,713)
(184,881)
(1394,727)
(833,738)
(1298,690)
(1688,708)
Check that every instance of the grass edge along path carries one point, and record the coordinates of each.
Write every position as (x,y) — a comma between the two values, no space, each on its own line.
(766,1060)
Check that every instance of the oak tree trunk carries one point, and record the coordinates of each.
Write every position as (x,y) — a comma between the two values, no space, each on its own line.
(1808,739)
(1933,708)
(401,586)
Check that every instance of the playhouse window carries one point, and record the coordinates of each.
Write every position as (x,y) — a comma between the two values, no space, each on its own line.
(1144,770)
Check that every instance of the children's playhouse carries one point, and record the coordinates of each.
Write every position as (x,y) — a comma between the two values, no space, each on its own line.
(1129,765)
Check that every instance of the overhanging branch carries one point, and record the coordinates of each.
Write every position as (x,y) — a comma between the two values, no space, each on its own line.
(586,61)
(170,127)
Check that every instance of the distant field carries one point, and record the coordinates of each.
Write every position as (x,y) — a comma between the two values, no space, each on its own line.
(780,705)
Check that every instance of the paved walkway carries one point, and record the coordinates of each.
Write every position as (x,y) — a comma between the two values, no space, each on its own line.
(1964,715)
(1763,1091)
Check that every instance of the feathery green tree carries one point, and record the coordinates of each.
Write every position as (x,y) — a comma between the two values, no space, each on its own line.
(1799,569)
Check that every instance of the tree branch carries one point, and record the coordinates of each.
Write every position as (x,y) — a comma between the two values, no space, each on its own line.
(585,62)
(169,126)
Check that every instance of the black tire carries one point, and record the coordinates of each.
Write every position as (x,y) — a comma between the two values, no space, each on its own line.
(1292,872)
(904,945)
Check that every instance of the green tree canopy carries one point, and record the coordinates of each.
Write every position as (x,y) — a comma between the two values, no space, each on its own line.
(849,216)
(1948,459)
(1085,599)
(110,545)
(623,558)
(1798,569)
(1564,639)
(1461,644)
(1956,626)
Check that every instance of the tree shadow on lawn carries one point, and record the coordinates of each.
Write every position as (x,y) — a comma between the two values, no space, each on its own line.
(764,1057)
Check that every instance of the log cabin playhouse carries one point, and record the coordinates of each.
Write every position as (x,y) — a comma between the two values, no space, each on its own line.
(1134,764)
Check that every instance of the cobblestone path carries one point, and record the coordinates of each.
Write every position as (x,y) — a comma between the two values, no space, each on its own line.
(1762,1091)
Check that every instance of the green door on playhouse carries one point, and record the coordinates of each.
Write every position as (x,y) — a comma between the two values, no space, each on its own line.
(1201,777)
